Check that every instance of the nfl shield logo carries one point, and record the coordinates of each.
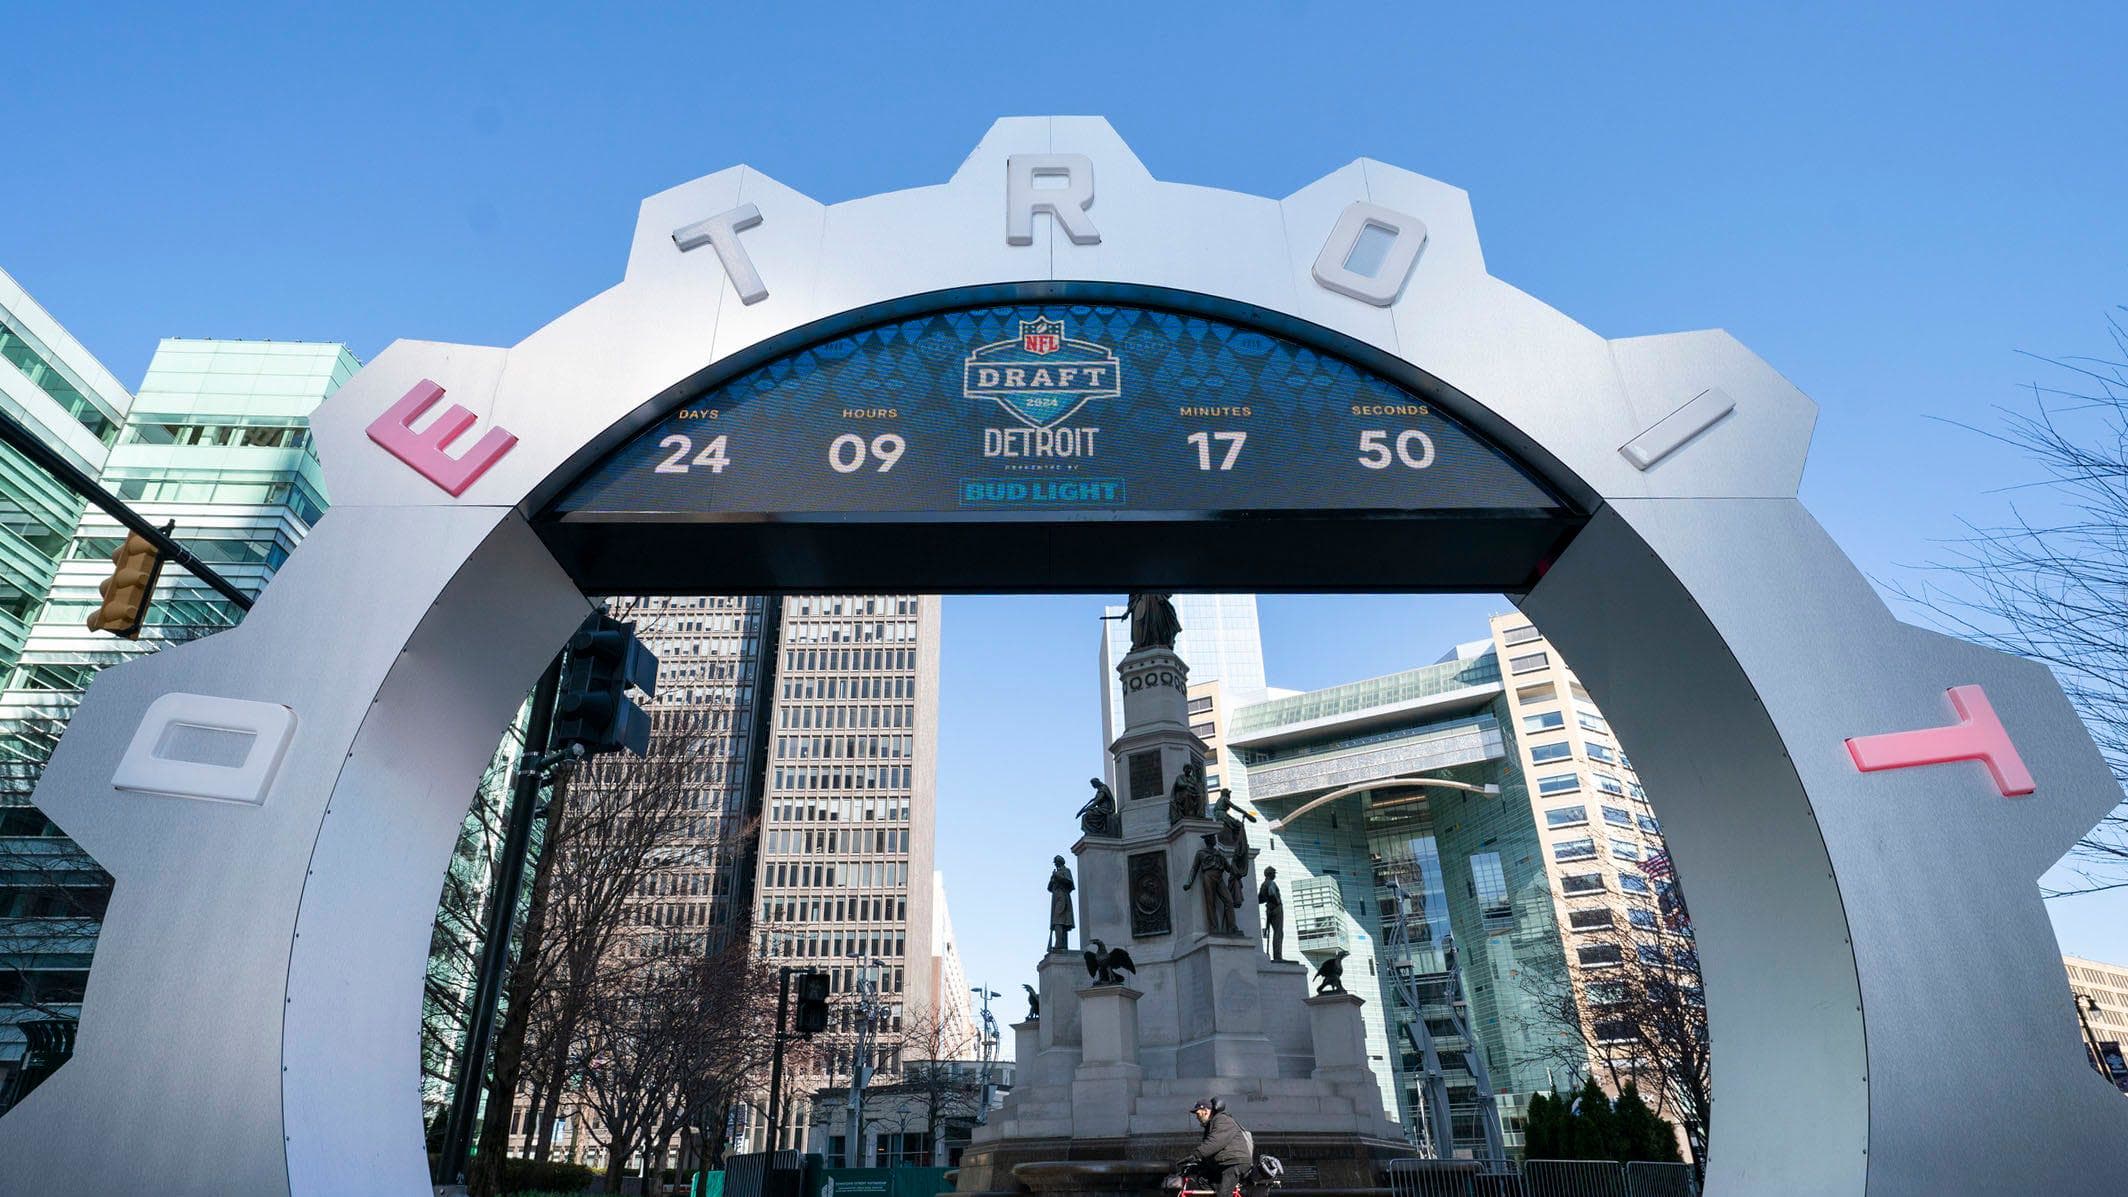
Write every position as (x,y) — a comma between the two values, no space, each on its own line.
(1041,337)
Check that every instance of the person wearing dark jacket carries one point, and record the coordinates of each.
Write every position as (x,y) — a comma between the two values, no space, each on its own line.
(1223,1154)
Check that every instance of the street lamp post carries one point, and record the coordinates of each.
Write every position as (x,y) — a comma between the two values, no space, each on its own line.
(860,1067)
(989,1049)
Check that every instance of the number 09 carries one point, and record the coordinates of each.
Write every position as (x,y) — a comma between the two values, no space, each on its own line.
(847,453)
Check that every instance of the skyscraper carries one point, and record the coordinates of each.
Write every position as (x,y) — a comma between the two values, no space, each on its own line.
(845,872)
(49,894)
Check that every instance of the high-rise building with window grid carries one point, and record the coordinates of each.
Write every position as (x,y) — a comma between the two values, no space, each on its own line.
(844,879)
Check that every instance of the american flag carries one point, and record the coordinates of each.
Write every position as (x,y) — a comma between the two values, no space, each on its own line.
(1657,865)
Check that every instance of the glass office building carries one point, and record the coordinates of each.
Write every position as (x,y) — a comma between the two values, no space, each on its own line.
(57,390)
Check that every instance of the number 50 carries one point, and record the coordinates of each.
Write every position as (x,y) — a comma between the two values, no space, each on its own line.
(1413,448)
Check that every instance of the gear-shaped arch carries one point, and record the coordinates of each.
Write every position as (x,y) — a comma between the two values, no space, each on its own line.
(1883,1023)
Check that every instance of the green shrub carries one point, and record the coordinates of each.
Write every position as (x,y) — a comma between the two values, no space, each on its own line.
(527,1177)
(1587,1125)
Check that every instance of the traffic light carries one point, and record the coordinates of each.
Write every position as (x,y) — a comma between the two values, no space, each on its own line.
(127,591)
(812,1003)
(595,711)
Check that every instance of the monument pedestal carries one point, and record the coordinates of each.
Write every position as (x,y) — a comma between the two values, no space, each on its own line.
(1105,1104)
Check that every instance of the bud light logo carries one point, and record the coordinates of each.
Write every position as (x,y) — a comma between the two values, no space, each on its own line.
(1042,376)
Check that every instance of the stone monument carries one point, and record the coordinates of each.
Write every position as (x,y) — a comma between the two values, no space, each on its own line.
(1108,1073)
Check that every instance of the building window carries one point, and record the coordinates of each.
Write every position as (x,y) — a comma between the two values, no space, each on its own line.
(1544,721)
(1644,919)
(1649,825)
(1211,782)
(1559,783)
(1521,635)
(1557,751)
(1600,953)
(1582,849)
(1649,953)
(1602,752)
(1540,692)
(1488,883)
(1610,785)
(1589,920)
(1624,851)
(1202,731)
(1566,816)
(1614,1031)
(1633,883)
(1199,706)
(1529,663)
(1621,818)
(1592,721)
(1582,883)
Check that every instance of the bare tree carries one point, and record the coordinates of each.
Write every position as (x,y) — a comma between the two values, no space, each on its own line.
(932,1045)
(606,830)
(1633,1008)
(2049,583)
(670,1040)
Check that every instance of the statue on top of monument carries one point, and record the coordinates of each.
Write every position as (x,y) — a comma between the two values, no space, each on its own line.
(1273,904)
(1153,623)
(1232,836)
(1215,869)
(1034,1003)
(1060,916)
(1330,974)
(1186,800)
(1098,816)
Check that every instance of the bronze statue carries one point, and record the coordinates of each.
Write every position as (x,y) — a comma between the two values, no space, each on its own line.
(1274,911)
(1215,869)
(1233,839)
(1330,974)
(1034,1003)
(1106,965)
(1230,815)
(1153,622)
(1186,799)
(1098,816)
(1060,917)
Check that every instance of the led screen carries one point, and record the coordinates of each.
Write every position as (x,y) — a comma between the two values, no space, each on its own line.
(1062,408)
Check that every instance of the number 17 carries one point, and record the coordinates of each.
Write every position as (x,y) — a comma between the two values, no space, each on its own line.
(1232,440)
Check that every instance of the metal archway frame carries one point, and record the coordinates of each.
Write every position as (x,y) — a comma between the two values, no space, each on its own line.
(1889,1012)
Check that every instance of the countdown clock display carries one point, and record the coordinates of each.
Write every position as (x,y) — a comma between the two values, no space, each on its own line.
(1057,408)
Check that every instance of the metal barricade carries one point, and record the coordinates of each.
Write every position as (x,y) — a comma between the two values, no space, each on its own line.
(1645,1179)
(1573,1178)
(764,1174)
(1454,1178)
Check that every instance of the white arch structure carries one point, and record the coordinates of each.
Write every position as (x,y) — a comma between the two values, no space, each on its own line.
(1889,1011)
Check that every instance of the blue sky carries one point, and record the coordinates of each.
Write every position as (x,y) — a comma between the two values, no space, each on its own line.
(1887,202)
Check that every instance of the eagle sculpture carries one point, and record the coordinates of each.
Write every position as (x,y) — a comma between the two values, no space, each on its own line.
(1034,1002)
(1106,965)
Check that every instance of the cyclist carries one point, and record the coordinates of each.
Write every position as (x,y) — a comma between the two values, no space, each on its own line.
(1224,1153)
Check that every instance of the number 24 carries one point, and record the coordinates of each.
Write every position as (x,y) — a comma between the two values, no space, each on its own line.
(712,454)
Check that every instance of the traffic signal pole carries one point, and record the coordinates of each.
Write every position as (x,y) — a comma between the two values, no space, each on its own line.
(501,913)
(52,462)
(775,1068)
